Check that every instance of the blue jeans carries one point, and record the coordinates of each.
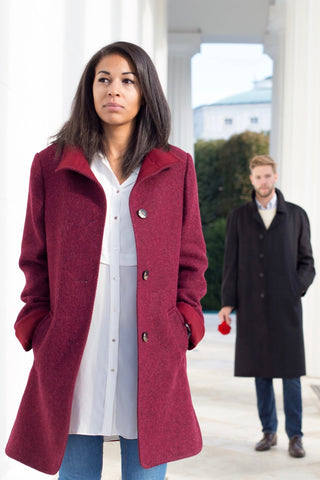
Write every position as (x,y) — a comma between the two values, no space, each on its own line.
(292,403)
(83,460)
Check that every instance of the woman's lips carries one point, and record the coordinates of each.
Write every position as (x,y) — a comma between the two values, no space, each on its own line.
(113,106)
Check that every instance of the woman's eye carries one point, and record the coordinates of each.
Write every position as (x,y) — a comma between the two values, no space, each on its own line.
(103,80)
(128,80)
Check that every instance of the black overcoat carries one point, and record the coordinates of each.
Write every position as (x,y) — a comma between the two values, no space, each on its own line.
(266,271)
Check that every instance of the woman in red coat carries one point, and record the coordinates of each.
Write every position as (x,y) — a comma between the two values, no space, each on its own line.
(114,260)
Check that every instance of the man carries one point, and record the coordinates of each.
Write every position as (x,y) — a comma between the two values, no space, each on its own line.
(268,266)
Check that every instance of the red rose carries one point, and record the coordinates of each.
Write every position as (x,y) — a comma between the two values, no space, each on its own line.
(224,328)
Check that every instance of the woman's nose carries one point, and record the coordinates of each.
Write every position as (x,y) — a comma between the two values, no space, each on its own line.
(113,92)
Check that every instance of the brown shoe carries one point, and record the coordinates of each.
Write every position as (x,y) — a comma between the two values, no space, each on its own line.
(269,440)
(295,447)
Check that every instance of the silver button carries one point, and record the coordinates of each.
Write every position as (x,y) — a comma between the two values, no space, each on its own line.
(142,213)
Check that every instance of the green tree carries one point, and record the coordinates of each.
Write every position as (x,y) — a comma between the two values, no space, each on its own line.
(223,183)
(214,235)
(234,156)
(209,178)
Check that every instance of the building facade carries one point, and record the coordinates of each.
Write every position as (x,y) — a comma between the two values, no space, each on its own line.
(245,111)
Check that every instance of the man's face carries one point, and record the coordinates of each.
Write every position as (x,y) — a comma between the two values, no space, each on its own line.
(263,180)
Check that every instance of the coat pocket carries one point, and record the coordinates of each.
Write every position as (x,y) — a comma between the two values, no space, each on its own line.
(177,327)
(297,286)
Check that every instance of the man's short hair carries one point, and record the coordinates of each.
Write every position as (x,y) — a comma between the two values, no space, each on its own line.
(261,160)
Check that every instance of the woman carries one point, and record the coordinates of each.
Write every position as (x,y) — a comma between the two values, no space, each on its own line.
(114,260)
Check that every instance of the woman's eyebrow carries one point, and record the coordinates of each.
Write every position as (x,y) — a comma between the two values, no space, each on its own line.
(108,73)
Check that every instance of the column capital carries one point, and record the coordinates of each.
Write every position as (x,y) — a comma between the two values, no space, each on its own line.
(275,28)
(184,44)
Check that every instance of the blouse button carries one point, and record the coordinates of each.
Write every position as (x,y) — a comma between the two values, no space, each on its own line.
(142,213)
(145,337)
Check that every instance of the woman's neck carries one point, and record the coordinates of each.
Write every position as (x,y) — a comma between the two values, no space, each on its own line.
(115,145)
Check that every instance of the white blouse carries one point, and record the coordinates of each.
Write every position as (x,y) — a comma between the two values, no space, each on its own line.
(105,396)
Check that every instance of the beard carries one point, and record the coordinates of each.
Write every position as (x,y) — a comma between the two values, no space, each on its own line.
(264,193)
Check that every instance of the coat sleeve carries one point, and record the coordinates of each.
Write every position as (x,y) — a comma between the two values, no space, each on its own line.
(229,288)
(33,261)
(193,260)
(305,267)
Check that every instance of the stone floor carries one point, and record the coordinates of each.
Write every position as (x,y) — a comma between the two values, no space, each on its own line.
(227,413)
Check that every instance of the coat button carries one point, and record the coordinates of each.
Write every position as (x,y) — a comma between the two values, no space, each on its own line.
(142,213)
(261,274)
(261,255)
(262,295)
(145,275)
(145,337)
(261,236)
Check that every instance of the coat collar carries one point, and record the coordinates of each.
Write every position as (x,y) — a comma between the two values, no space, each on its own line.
(74,159)
(281,204)
(281,209)
(154,162)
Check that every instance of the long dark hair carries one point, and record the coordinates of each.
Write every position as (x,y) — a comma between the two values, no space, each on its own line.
(152,127)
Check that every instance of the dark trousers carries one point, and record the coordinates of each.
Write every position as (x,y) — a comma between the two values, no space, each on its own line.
(292,403)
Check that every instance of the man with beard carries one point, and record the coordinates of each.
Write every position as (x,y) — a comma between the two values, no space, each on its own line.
(268,267)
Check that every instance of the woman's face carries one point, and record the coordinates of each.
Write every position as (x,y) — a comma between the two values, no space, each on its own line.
(116,92)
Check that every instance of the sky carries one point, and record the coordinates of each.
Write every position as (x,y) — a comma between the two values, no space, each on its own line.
(221,70)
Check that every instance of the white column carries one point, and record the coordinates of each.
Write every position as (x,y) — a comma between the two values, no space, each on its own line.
(44,46)
(299,140)
(3,219)
(182,46)
(274,42)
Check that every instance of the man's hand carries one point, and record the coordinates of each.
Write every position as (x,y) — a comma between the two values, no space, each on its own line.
(224,314)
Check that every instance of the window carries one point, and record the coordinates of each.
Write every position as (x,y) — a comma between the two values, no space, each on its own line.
(254,120)
(228,121)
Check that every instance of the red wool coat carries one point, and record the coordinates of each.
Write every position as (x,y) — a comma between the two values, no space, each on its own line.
(60,258)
